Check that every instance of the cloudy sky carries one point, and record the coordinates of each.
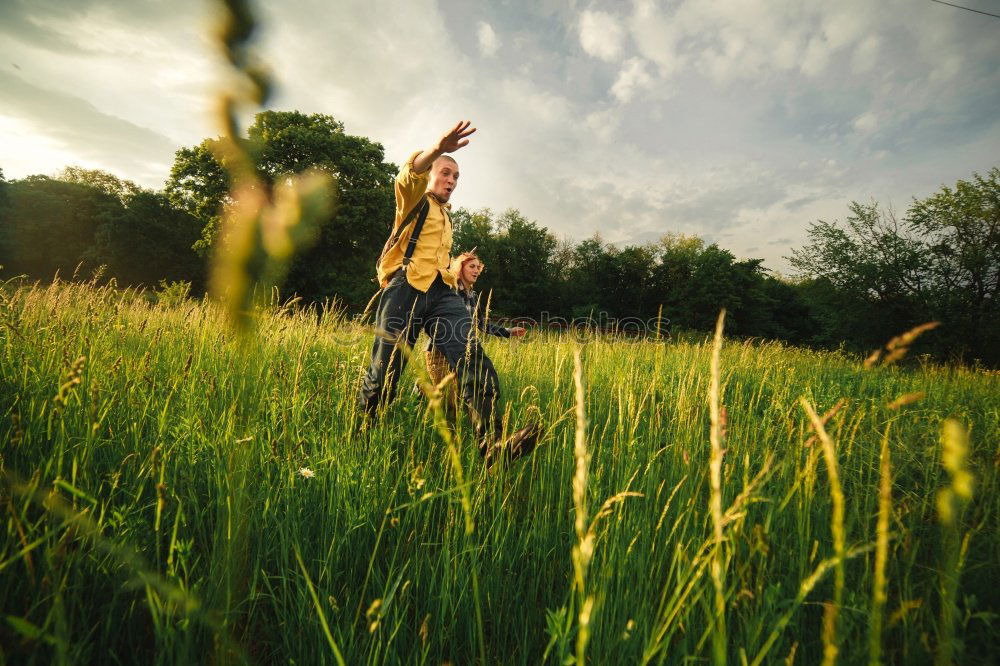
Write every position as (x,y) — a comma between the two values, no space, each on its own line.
(737,120)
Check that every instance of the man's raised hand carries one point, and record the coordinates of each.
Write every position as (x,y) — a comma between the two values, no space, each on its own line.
(455,138)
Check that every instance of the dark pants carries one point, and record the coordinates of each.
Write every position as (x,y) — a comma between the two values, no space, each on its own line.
(403,312)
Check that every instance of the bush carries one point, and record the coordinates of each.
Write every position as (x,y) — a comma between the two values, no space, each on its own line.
(173,293)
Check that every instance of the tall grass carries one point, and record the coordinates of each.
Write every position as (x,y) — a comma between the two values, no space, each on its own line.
(174,493)
(715,479)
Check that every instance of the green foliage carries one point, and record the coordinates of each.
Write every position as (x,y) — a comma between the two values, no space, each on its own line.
(112,185)
(339,265)
(960,229)
(148,239)
(172,294)
(199,185)
(858,282)
(517,253)
(52,225)
(86,218)
(175,494)
(529,273)
(874,275)
(6,228)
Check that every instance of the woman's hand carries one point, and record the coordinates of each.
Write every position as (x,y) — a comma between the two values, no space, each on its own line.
(518,332)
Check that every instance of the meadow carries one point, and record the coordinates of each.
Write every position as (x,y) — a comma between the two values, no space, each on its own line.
(174,492)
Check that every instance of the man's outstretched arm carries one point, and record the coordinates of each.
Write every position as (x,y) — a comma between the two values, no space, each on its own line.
(455,138)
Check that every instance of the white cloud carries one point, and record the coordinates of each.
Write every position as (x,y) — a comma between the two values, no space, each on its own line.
(155,70)
(524,100)
(866,122)
(377,75)
(603,124)
(488,40)
(816,56)
(65,123)
(749,39)
(656,37)
(25,151)
(601,35)
(632,78)
(866,54)
(785,54)
(845,24)
(776,116)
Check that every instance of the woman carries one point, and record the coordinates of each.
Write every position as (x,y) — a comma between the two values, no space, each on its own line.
(467,268)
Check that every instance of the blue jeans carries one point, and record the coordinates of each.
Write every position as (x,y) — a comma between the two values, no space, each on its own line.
(403,312)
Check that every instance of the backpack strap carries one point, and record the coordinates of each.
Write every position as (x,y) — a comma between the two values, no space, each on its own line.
(393,238)
(422,206)
(420,209)
(412,245)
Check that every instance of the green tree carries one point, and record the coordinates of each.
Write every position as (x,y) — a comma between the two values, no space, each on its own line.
(473,229)
(148,240)
(715,283)
(880,272)
(583,277)
(199,185)
(961,230)
(784,313)
(106,182)
(693,281)
(144,240)
(875,276)
(672,275)
(518,255)
(89,218)
(6,229)
(341,263)
(626,281)
(524,274)
(50,226)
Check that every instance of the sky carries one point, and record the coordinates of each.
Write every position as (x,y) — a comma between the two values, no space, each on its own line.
(740,121)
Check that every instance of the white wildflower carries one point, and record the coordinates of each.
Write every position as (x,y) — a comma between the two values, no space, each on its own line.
(306,472)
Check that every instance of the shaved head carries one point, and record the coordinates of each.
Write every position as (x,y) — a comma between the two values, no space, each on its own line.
(444,177)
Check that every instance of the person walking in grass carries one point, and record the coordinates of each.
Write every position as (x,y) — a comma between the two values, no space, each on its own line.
(419,293)
(467,268)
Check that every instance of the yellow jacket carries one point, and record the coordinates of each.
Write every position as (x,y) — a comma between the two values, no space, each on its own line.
(432,255)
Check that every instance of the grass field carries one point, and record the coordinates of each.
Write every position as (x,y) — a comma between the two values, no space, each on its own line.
(173,493)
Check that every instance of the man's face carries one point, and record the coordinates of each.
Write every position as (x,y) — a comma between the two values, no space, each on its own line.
(444,178)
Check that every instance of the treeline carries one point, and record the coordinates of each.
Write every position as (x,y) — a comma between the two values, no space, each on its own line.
(680,278)
(858,282)
(877,274)
(84,220)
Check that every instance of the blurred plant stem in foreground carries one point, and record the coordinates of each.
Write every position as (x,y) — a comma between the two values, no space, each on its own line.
(264,224)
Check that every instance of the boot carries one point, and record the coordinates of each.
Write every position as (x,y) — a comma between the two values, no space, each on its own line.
(520,443)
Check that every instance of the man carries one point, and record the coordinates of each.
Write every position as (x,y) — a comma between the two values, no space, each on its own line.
(421,294)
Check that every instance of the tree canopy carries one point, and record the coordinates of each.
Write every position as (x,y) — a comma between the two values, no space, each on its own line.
(876,275)
(340,264)
(87,219)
